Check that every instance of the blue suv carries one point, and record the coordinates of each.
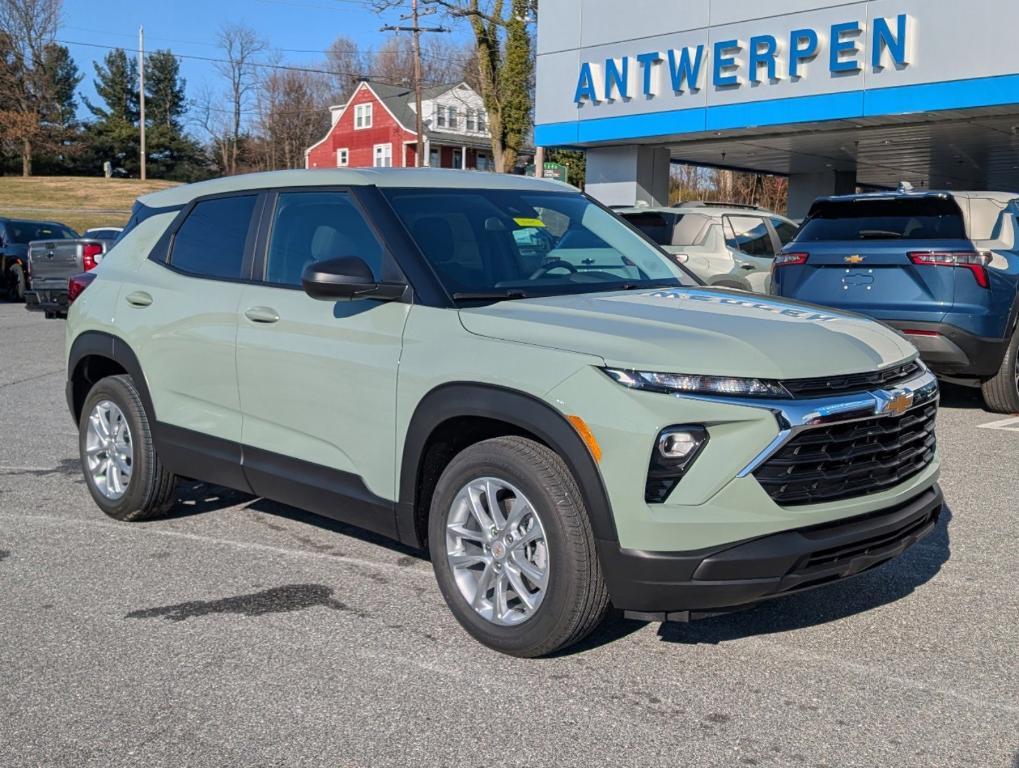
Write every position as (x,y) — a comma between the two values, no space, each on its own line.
(941,268)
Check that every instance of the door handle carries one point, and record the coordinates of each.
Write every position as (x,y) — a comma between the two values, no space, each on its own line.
(747,266)
(139,299)
(262,315)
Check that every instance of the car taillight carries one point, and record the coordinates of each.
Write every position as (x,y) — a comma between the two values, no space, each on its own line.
(78,283)
(89,251)
(971,260)
(790,259)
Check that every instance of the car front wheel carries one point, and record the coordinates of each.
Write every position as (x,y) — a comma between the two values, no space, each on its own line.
(512,548)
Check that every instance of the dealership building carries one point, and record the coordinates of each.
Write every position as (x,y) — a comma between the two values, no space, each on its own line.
(833,95)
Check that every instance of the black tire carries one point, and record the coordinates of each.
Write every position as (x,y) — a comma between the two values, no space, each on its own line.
(1001,393)
(19,284)
(150,492)
(575,599)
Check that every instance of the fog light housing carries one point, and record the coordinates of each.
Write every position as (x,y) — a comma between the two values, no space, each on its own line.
(675,450)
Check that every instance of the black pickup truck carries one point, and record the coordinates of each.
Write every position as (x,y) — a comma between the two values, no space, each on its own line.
(15,235)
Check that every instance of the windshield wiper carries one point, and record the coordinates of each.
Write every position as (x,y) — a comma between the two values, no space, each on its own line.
(879,234)
(509,294)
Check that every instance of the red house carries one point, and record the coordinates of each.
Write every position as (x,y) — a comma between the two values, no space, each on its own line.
(375,128)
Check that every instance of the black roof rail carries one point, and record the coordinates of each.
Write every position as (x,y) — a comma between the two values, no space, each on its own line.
(717,204)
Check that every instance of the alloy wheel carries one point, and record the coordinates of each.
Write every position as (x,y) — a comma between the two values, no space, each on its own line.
(497,551)
(108,450)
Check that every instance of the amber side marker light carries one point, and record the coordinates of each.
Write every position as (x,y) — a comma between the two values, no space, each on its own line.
(586,435)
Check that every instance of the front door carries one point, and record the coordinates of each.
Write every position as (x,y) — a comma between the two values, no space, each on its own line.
(318,378)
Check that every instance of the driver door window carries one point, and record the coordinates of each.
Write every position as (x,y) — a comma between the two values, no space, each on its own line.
(314,226)
(749,235)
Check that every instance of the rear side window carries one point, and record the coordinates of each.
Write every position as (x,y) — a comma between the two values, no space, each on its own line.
(313,226)
(655,225)
(749,235)
(785,230)
(926,218)
(210,242)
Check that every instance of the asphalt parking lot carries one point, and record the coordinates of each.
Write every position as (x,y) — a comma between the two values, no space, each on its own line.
(242,632)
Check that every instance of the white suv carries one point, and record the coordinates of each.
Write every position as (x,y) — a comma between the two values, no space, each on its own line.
(724,244)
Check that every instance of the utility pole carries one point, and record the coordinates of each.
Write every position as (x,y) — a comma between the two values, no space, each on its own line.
(416,29)
(141,96)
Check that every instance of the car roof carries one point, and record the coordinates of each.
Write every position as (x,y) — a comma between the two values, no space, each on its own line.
(1004,197)
(712,209)
(325,177)
(7,219)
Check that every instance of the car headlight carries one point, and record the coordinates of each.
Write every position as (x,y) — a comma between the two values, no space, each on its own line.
(692,384)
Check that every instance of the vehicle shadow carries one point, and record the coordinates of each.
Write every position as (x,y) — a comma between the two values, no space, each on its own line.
(196,498)
(885,584)
(956,396)
(310,518)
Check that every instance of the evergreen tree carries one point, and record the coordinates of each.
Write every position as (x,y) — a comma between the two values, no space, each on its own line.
(165,102)
(63,76)
(117,85)
(171,154)
(61,140)
(113,135)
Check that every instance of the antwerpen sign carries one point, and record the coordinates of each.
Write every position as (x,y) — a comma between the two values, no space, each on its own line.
(731,64)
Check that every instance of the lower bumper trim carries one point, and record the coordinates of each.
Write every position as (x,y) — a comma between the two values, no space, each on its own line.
(951,351)
(680,586)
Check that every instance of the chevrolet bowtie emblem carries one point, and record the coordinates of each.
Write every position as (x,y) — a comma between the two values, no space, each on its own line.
(854,259)
(899,404)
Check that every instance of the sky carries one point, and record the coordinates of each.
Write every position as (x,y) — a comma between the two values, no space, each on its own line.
(300,29)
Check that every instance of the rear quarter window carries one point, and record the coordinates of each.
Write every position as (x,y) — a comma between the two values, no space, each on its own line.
(890,219)
(210,242)
(657,226)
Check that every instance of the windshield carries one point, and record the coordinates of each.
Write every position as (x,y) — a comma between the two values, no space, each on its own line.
(926,218)
(487,244)
(24,232)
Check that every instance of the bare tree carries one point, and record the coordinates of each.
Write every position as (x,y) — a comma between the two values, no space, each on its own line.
(348,64)
(290,117)
(242,48)
(27,27)
(505,66)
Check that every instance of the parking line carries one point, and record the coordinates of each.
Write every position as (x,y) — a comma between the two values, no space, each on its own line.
(1009,425)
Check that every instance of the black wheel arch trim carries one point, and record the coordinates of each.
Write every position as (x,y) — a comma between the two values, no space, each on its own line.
(522,411)
(102,344)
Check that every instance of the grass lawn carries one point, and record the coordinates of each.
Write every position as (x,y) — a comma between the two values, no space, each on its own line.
(78,202)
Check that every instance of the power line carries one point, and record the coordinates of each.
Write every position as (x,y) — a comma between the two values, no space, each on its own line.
(358,50)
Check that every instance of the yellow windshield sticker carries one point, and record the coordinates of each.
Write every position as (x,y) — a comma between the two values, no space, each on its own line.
(538,223)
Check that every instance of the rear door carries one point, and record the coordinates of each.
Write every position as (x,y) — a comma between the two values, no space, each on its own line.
(179,310)
(858,256)
(753,248)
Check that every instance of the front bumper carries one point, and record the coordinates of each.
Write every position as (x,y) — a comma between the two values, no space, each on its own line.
(953,351)
(680,586)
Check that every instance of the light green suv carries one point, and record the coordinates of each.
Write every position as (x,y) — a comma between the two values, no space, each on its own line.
(502,371)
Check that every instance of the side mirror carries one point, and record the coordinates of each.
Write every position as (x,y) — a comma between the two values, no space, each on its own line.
(346,278)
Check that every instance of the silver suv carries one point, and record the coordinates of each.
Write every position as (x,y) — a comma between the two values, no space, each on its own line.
(724,244)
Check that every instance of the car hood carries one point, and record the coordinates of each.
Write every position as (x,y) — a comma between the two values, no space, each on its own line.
(697,330)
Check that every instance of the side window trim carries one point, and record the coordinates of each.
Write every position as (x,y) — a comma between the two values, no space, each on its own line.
(249,241)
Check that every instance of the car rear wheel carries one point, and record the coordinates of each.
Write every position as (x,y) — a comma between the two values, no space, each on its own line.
(1001,393)
(122,471)
(512,548)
